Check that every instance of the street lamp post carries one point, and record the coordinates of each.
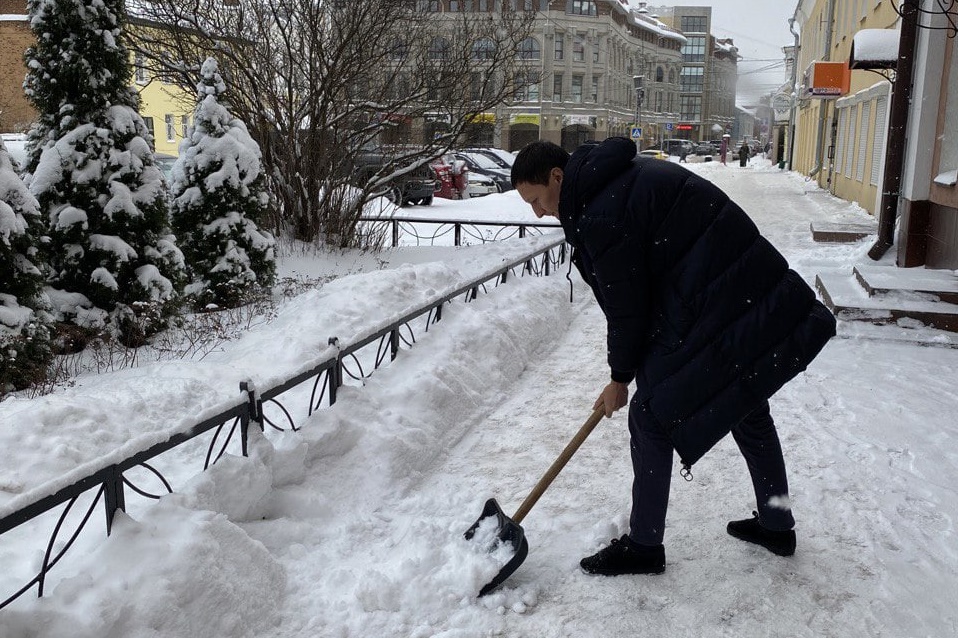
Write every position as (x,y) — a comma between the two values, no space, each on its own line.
(639,82)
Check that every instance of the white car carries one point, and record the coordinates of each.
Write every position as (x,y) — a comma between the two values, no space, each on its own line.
(480,185)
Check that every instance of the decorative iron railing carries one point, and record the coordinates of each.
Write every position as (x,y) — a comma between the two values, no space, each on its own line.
(265,408)
(426,231)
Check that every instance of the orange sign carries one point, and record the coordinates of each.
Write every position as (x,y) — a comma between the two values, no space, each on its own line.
(827,79)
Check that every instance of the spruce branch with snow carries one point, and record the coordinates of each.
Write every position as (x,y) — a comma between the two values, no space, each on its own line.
(92,170)
(219,201)
(24,321)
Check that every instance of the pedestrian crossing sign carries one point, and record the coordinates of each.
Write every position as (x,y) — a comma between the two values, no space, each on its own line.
(636,132)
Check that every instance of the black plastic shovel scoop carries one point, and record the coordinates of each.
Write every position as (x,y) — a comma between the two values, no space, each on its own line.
(509,531)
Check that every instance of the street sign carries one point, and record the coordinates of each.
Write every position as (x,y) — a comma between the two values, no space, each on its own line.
(636,132)
(668,126)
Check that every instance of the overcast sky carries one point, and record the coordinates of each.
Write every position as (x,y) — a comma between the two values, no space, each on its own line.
(760,30)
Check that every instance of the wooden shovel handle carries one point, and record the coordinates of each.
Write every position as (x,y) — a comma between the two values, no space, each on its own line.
(558,464)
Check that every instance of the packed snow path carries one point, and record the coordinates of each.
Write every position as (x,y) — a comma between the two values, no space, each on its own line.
(353,527)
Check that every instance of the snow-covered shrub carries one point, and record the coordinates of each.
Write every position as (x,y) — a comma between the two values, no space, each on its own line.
(219,200)
(91,168)
(24,332)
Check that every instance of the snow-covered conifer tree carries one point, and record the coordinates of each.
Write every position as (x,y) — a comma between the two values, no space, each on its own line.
(219,200)
(24,331)
(92,170)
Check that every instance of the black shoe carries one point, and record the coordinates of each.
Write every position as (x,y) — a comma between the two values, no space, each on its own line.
(750,530)
(622,556)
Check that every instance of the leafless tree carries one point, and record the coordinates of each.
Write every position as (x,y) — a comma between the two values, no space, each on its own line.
(323,84)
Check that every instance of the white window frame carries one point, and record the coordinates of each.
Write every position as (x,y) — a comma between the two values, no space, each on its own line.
(866,109)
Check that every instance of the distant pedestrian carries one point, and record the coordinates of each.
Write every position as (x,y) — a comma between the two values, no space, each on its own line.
(683,152)
(743,154)
(723,152)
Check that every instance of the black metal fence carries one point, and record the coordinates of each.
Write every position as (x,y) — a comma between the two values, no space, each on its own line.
(426,231)
(264,408)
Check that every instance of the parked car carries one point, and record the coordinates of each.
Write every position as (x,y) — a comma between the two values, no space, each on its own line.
(705,150)
(480,185)
(416,187)
(655,152)
(502,158)
(452,177)
(479,163)
(675,146)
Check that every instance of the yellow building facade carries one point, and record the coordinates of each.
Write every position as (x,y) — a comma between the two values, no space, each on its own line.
(166,108)
(840,139)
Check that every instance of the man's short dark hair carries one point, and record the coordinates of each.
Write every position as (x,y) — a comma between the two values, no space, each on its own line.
(534,162)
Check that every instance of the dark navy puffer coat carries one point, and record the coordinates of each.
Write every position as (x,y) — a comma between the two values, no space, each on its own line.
(703,312)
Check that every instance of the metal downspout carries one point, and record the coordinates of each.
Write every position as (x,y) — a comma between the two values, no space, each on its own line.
(897,123)
(823,104)
(794,115)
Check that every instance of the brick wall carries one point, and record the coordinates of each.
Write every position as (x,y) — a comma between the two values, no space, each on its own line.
(16,113)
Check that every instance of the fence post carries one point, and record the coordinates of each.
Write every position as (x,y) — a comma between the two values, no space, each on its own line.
(522,231)
(394,344)
(336,373)
(113,497)
(395,225)
(458,233)
(254,413)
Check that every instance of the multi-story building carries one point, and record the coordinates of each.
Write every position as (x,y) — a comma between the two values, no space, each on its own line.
(709,74)
(843,125)
(840,128)
(583,58)
(165,107)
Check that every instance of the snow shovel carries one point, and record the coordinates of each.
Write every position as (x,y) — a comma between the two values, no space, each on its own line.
(509,530)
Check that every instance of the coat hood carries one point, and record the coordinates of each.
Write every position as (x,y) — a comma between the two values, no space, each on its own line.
(591,167)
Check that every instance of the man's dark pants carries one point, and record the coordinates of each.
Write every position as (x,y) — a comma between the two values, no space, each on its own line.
(652,454)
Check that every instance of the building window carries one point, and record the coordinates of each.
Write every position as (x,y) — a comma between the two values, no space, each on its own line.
(595,89)
(578,48)
(557,87)
(142,77)
(454,5)
(862,141)
(694,24)
(558,54)
(595,52)
(438,49)
(149,126)
(694,49)
(484,5)
(659,74)
(185,125)
(878,147)
(434,6)
(483,49)
(529,50)
(527,86)
(581,7)
(692,79)
(948,143)
(671,76)
(690,108)
(170,128)
(576,88)
(658,101)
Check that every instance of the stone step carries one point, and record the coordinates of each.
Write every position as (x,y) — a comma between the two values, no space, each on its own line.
(844,295)
(876,280)
(838,232)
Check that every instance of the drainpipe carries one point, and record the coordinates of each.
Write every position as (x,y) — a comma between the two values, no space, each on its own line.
(793,115)
(897,123)
(823,104)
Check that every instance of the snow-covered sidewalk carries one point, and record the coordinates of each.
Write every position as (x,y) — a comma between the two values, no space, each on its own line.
(353,527)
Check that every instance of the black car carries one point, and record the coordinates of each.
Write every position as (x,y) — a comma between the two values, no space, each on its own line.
(482,164)
(500,161)
(415,187)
